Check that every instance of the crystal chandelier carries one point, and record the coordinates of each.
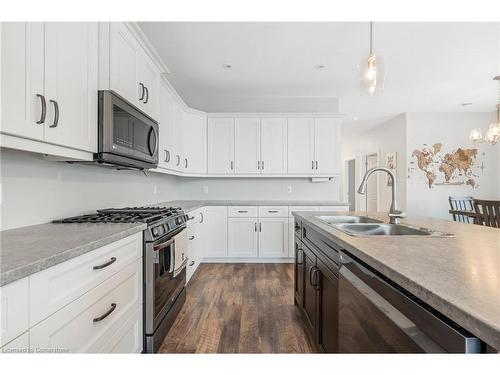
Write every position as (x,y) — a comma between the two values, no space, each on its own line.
(492,136)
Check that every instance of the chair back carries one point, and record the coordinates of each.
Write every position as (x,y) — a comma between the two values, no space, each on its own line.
(462,209)
(488,212)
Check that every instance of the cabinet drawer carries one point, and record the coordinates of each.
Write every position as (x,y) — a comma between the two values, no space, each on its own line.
(242,211)
(301,208)
(128,338)
(273,211)
(14,320)
(57,286)
(334,208)
(88,323)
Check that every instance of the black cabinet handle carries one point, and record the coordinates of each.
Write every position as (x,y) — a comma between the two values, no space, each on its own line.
(260,227)
(202,218)
(185,162)
(178,160)
(255,226)
(56,114)
(316,164)
(262,164)
(273,212)
(191,238)
(299,256)
(147,95)
(106,314)
(310,275)
(44,109)
(192,263)
(315,280)
(242,211)
(312,164)
(143,92)
(104,265)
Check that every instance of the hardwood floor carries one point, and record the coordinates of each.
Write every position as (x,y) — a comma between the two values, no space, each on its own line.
(239,308)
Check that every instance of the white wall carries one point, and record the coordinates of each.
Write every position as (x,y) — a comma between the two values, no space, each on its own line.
(389,136)
(257,188)
(452,130)
(36,191)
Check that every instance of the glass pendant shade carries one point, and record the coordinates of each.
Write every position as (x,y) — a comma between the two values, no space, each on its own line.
(476,135)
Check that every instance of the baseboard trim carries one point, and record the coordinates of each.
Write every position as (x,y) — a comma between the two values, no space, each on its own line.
(247,260)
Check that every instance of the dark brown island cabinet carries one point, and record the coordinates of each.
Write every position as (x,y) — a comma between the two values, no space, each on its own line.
(348,307)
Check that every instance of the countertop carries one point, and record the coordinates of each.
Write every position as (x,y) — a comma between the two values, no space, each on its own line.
(459,276)
(27,250)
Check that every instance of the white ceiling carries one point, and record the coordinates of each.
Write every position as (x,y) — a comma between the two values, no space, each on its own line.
(427,67)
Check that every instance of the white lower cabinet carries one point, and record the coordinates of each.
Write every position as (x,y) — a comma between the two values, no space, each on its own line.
(14,302)
(196,241)
(88,323)
(215,245)
(273,237)
(242,240)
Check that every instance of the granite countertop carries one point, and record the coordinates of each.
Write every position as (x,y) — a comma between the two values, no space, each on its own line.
(28,250)
(188,205)
(458,276)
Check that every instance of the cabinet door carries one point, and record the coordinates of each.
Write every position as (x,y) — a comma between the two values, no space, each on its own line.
(192,248)
(178,143)
(149,75)
(22,67)
(301,146)
(328,329)
(195,143)
(215,222)
(310,292)
(299,275)
(71,62)
(166,127)
(123,63)
(242,237)
(273,237)
(274,146)
(327,142)
(247,145)
(221,145)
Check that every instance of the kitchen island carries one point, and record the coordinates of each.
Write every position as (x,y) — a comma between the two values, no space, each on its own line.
(457,276)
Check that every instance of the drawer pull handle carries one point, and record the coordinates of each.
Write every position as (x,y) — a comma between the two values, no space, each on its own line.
(106,314)
(242,211)
(191,264)
(273,212)
(191,238)
(104,265)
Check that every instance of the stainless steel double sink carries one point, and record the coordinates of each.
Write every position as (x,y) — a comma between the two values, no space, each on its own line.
(366,226)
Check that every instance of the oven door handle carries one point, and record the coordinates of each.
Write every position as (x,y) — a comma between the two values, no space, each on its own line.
(164,244)
(172,258)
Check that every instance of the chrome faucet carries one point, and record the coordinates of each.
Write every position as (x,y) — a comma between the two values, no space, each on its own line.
(394,213)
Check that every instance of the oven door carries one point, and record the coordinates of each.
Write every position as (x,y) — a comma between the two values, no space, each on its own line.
(125,131)
(165,275)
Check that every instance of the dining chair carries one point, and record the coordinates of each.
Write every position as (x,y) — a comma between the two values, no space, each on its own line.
(488,212)
(462,209)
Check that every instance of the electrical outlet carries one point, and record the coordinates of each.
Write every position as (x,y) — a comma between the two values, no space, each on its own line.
(289,189)
(205,189)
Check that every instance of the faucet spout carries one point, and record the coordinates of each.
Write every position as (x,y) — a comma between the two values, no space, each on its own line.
(394,213)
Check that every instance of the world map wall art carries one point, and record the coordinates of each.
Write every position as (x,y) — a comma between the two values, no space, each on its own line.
(455,167)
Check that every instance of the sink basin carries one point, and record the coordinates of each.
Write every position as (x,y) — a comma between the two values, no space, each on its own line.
(337,219)
(382,229)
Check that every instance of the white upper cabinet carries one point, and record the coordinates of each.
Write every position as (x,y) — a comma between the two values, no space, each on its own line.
(166,127)
(195,144)
(22,79)
(327,142)
(301,145)
(132,73)
(221,145)
(50,81)
(274,146)
(71,82)
(247,145)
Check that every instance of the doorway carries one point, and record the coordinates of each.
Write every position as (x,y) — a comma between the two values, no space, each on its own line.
(371,161)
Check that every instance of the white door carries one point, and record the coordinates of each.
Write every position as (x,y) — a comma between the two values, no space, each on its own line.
(195,143)
(221,145)
(273,237)
(327,145)
(291,237)
(273,145)
(71,62)
(149,75)
(166,127)
(123,63)
(242,237)
(247,145)
(22,66)
(216,228)
(301,146)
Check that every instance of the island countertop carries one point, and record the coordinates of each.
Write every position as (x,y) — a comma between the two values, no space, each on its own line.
(458,276)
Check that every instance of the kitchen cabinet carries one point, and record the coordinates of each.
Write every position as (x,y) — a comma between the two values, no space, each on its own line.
(221,145)
(196,238)
(242,237)
(167,139)
(247,157)
(314,146)
(298,284)
(274,146)
(132,73)
(273,237)
(194,150)
(328,314)
(310,296)
(215,245)
(301,145)
(14,303)
(49,71)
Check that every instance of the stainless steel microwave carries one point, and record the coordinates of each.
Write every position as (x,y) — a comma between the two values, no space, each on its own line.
(127,137)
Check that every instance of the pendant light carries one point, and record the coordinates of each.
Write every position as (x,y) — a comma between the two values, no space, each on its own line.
(371,66)
(492,136)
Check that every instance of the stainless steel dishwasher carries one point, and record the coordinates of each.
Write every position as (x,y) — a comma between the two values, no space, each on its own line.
(378,316)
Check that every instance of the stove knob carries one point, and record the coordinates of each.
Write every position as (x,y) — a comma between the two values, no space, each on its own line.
(156,232)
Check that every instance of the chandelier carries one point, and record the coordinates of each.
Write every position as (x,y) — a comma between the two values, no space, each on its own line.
(492,135)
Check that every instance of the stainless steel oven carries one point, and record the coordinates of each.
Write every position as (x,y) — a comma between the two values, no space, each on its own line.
(127,137)
(164,285)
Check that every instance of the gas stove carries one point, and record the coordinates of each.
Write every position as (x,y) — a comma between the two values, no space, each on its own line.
(160,220)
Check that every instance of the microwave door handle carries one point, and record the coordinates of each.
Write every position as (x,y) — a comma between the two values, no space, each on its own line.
(152,148)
